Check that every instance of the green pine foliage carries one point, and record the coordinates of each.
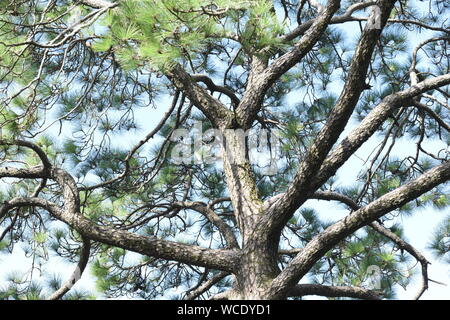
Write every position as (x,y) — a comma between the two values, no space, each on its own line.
(440,243)
(167,31)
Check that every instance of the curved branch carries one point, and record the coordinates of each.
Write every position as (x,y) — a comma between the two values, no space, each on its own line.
(30,145)
(213,109)
(301,290)
(64,36)
(36,172)
(207,212)
(301,29)
(193,294)
(419,46)
(213,87)
(432,114)
(76,275)
(412,251)
(251,102)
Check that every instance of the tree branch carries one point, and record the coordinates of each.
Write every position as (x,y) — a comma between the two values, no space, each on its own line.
(226,295)
(326,240)
(213,87)
(81,266)
(98,4)
(70,214)
(330,195)
(301,29)
(300,189)
(36,172)
(347,17)
(213,109)
(402,244)
(432,114)
(205,286)
(30,145)
(351,143)
(301,290)
(369,125)
(131,153)
(213,218)
(289,252)
(225,260)
(214,259)
(251,102)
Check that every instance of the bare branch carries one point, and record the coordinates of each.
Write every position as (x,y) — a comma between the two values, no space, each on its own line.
(432,114)
(301,290)
(213,218)
(81,266)
(419,46)
(214,110)
(98,4)
(205,286)
(433,98)
(37,172)
(22,143)
(301,29)
(289,252)
(213,87)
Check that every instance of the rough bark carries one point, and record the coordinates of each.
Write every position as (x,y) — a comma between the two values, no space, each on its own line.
(76,275)
(301,290)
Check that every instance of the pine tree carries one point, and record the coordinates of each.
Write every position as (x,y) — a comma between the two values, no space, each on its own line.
(101,100)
